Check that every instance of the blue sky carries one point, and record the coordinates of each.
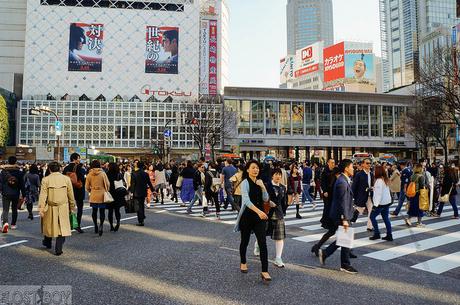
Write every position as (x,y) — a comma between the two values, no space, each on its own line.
(258,35)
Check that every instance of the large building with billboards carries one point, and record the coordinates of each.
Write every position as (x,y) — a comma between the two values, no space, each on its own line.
(288,123)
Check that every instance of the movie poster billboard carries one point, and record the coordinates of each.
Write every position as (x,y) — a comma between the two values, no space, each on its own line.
(86,42)
(213,57)
(307,59)
(287,65)
(334,62)
(204,57)
(161,49)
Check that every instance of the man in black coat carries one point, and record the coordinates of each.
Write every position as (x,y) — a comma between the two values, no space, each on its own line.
(362,190)
(140,181)
(78,192)
(341,212)
(11,187)
(325,180)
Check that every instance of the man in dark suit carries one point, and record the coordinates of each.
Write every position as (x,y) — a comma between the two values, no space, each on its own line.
(341,212)
(140,181)
(362,190)
(79,193)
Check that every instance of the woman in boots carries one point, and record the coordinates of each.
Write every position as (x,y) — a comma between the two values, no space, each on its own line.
(118,194)
(96,185)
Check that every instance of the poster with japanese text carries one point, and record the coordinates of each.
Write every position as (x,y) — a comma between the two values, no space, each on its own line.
(213,57)
(161,49)
(86,42)
(334,62)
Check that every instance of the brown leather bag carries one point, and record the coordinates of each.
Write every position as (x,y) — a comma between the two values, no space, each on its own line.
(74,178)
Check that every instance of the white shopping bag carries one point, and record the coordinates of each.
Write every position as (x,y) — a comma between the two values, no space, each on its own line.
(345,238)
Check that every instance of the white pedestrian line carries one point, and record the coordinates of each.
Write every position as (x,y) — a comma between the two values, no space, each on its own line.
(421,245)
(440,264)
(13,243)
(123,219)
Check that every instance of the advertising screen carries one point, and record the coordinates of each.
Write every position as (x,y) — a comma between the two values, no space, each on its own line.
(161,49)
(204,57)
(86,42)
(334,62)
(307,59)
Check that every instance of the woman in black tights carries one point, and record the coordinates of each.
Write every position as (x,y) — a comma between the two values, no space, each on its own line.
(118,193)
(96,185)
(252,218)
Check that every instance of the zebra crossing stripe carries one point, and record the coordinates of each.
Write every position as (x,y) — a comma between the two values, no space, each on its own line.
(440,264)
(421,245)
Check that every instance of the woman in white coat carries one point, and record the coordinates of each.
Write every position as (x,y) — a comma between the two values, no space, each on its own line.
(381,203)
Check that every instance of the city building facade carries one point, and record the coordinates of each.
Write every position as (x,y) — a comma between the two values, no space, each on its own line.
(289,123)
(308,21)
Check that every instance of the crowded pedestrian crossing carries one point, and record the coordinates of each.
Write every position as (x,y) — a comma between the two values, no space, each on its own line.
(423,241)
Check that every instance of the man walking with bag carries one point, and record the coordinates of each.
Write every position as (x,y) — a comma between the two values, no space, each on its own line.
(140,181)
(76,173)
(341,212)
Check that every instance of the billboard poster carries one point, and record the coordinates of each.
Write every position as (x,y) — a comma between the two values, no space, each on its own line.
(334,62)
(86,42)
(212,57)
(287,65)
(161,49)
(359,67)
(297,114)
(307,59)
(204,57)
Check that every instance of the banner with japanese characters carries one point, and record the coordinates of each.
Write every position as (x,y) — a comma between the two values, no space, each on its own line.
(213,57)
(204,57)
(162,50)
(334,62)
(86,42)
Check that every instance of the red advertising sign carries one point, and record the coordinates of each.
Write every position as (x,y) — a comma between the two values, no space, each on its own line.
(334,62)
(306,70)
(213,57)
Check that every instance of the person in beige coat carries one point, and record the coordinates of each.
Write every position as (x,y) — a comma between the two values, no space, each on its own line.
(56,200)
(97,184)
(395,181)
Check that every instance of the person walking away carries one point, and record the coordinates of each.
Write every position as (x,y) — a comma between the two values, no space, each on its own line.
(11,188)
(140,181)
(173,181)
(32,188)
(96,185)
(227,172)
(198,184)
(381,200)
(252,218)
(395,182)
(236,180)
(56,199)
(294,188)
(362,190)
(341,212)
(160,182)
(211,188)
(118,193)
(76,173)
(317,170)
(127,176)
(406,174)
(449,187)
(186,189)
(326,187)
(150,193)
(307,181)
(414,210)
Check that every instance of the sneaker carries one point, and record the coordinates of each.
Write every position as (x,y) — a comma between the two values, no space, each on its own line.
(349,269)
(278,262)
(14,227)
(5,227)
(189,211)
(454,217)
(203,214)
(322,257)
(407,221)
(420,225)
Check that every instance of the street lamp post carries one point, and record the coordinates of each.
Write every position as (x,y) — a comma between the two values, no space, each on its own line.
(169,121)
(44,109)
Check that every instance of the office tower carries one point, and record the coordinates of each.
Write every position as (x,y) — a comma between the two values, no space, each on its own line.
(308,21)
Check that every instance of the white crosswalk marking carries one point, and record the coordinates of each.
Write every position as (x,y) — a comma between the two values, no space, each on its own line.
(440,264)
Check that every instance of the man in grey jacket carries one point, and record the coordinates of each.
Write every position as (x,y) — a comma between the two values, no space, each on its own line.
(341,213)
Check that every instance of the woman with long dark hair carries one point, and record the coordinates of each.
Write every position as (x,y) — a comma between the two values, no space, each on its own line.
(294,189)
(449,187)
(32,187)
(96,185)
(252,218)
(187,191)
(118,193)
(414,209)
(381,201)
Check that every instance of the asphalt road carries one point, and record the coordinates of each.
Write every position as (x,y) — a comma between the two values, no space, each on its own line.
(181,259)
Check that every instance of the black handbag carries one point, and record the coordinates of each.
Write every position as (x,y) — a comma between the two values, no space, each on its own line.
(132,206)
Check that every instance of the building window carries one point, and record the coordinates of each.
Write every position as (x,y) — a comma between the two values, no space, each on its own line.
(387,118)
(310,119)
(324,116)
(271,117)
(375,121)
(285,118)
(363,120)
(400,129)
(297,118)
(245,115)
(337,119)
(257,113)
(350,120)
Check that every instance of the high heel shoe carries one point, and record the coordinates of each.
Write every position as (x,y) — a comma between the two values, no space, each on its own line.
(265,277)
(244,268)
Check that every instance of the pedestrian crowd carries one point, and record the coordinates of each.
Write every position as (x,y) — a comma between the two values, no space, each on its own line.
(260,193)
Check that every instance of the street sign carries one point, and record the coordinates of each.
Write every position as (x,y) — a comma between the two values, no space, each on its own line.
(58,128)
(167,133)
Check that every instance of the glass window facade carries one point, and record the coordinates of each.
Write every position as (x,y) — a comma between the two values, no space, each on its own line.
(271,117)
(324,118)
(257,113)
(310,119)
(298,118)
(337,119)
(363,120)
(387,121)
(350,120)
(375,120)
(285,118)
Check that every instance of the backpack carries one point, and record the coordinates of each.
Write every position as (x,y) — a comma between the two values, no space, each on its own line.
(11,181)
(215,182)
(74,178)
(411,190)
